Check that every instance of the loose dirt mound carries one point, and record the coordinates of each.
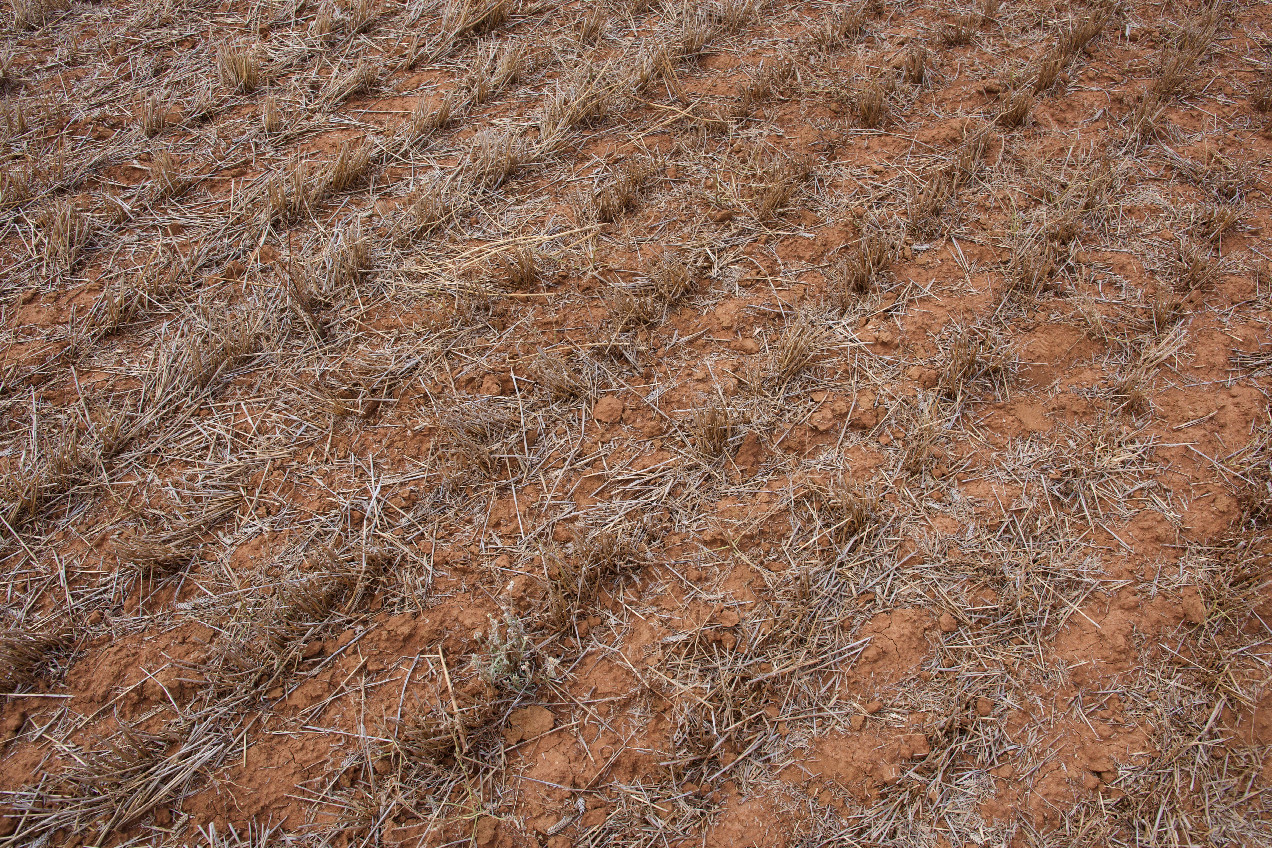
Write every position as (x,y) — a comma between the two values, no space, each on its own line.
(729,422)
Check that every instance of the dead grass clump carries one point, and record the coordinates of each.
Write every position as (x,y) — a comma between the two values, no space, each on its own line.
(476,434)
(732,15)
(1144,124)
(973,355)
(592,26)
(926,202)
(801,346)
(711,430)
(166,177)
(780,186)
(1048,70)
(1227,180)
(159,551)
(494,70)
(362,16)
(426,210)
(263,647)
(128,294)
(845,23)
(1261,91)
(581,98)
(1179,57)
(769,81)
(1038,257)
(320,282)
(10,79)
(623,193)
(1092,467)
(847,510)
(465,19)
(361,79)
(652,66)
(493,158)
(923,425)
(671,277)
(1173,73)
(1254,463)
(1193,267)
(733,683)
(33,14)
(1075,37)
(108,789)
(871,105)
(629,309)
(1210,222)
(347,171)
(914,68)
(441,737)
(152,115)
(206,354)
(521,270)
(1015,113)
(67,232)
(30,657)
(426,121)
(960,31)
(240,68)
(856,273)
(599,556)
(271,116)
(1165,308)
(57,465)
(17,183)
(928,198)
(289,191)
(567,380)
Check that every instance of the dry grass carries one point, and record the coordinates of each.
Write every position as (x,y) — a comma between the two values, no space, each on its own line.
(1016,111)
(972,356)
(1261,91)
(30,657)
(855,274)
(711,430)
(914,68)
(357,81)
(465,19)
(152,115)
(521,270)
(67,233)
(1193,267)
(32,14)
(325,447)
(801,345)
(622,192)
(166,177)
(959,32)
(240,68)
(771,80)
(671,277)
(872,103)
(425,121)
(600,556)
(845,24)
(565,379)
(779,187)
(111,788)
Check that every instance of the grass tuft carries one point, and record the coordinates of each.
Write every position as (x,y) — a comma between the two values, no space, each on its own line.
(240,68)
(779,187)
